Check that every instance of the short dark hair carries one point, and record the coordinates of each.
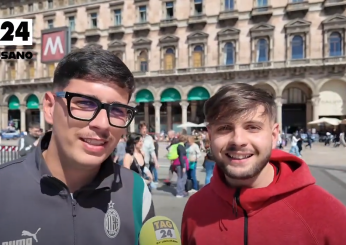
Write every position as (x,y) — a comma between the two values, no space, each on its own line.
(34,125)
(238,99)
(93,64)
(142,124)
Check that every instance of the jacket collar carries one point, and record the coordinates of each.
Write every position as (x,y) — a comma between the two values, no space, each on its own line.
(105,179)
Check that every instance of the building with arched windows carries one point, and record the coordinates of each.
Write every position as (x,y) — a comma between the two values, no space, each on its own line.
(182,51)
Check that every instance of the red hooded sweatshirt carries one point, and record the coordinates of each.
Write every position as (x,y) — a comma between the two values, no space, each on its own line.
(292,210)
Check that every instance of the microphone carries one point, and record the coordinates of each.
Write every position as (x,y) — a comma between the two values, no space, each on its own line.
(159,230)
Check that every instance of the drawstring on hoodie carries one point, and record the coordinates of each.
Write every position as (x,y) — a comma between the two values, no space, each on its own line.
(235,206)
(222,226)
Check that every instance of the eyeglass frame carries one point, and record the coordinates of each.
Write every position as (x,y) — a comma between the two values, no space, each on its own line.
(107,106)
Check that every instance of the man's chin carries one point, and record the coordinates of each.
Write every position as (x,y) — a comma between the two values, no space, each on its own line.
(242,172)
(89,160)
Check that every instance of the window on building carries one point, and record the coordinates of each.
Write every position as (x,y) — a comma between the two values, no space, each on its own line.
(229,54)
(50,4)
(262,50)
(11,11)
(169,10)
(117,17)
(30,7)
(143,61)
(31,70)
(262,3)
(297,1)
(198,7)
(297,47)
(335,44)
(197,56)
(93,20)
(51,69)
(72,23)
(229,5)
(294,96)
(12,71)
(169,59)
(50,24)
(71,2)
(142,13)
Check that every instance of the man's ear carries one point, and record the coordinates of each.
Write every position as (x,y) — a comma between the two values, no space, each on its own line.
(48,107)
(275,135)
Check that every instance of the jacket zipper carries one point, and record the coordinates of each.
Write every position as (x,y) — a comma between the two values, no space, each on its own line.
(60,184)
(74,214)
(246,219)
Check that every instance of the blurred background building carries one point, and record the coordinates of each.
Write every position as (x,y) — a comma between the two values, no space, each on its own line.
(182,51)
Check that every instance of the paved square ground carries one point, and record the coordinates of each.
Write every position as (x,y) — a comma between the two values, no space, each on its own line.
(327,164)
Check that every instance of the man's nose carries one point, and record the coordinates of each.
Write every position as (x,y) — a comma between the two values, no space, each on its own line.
(238,137)
(100,121)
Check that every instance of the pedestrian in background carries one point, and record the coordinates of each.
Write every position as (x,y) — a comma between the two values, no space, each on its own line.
(181,167)
(28,143)
(134,158)
(120,151)
(209,162)
(193,154)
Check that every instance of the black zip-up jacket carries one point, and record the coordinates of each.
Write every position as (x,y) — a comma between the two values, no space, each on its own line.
(182,153)
(36,208)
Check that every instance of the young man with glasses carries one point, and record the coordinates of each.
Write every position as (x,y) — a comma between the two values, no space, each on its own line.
(68,191)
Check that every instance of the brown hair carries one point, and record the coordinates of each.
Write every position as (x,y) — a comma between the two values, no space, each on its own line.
(182,138)
(141,124)
(238,99)
(191,139)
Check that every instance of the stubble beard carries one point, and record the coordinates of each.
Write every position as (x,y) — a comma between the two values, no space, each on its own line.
(253,171)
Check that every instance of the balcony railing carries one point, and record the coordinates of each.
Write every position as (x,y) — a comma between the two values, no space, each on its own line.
(229,15)
(197,18)
(297,6)
(141,26)
(334,3)
(269,65)
(95,31)
(116,29)
(262,10)
(168,22)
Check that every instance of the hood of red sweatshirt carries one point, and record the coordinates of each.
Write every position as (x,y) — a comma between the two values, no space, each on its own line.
(294,175)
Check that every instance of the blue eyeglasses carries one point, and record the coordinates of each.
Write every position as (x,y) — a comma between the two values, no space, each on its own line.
(86,108)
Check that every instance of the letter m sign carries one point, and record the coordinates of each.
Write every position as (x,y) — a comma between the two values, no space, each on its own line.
(55,44)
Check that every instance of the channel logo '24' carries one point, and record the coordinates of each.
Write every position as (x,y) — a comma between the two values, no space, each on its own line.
(16,32)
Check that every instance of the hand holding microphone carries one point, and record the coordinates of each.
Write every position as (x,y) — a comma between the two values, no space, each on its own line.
(159,230)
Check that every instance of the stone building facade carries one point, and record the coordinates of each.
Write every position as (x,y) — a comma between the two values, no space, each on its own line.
(182,51)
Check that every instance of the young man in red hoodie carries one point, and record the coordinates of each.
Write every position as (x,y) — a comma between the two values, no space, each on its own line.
(257,195)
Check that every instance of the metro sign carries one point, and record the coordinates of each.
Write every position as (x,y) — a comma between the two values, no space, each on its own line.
(55,44)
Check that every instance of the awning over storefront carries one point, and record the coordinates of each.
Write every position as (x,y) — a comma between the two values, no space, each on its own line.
(13,103)
(33,102)
(198,93)
(170,95)
(145,96)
